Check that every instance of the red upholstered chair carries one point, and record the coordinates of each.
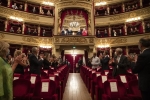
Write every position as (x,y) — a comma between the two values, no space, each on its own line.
(99,88)
(114,90)
(18,76)
(45,90)
(124,79)
(135,93)
(21,89)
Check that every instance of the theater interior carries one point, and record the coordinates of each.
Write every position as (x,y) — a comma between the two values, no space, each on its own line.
(74,29)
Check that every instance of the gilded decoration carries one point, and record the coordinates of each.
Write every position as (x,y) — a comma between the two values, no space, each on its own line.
(37,40)
(91,40)
(74,40)
(111,41)
(56,40)
(9,12)
(132,14)
(1,36)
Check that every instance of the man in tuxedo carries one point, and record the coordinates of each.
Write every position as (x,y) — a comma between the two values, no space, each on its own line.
(119,63)
(80,63)
(105,61)
(141,65)
(35,62)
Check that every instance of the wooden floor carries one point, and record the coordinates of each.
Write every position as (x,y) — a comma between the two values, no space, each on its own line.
(75,88)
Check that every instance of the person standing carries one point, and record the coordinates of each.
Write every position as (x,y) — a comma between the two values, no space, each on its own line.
(105,61)
(95,61)
(80,63)
(119,63)
(6,72)
(141,65)
(35,62)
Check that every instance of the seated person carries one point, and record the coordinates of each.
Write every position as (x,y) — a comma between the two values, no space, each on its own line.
(136,6)
(114,33)
(120,32)
(128,9)
(133,7)
(42,12)
(11,30)
(14,6)
(115,11)
(84,32)
(99,35)
(105,33)
(29,31)
(69,32)
(21,7)
(35,32)
(131,32)
(18,30)
(106,13)
(136,31)
(79,32)
(97,14)
(147,28)
(34,10)
(49,13)
(44,33)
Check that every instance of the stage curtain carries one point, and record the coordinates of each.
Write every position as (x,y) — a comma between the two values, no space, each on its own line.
(69,57)
(77,12)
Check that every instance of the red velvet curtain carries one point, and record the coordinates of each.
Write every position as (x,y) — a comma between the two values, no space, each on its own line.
(78,12)
(69,57)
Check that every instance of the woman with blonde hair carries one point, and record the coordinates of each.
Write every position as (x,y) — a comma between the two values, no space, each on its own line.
(46,62)
(6,72)
(20,67)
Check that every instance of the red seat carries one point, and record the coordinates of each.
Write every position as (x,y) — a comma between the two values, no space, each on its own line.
(21,89)
(45,90)
(18,76)
(135,92)
(114,90)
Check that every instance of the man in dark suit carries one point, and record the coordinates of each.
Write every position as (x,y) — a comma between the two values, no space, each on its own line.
(141,66)
(80,63)
(105,61)
(35,62)
(119,63)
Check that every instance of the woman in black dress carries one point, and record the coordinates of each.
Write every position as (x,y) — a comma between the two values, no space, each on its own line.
(46,62)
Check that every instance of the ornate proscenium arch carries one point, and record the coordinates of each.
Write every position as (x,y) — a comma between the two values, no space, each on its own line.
(74,12)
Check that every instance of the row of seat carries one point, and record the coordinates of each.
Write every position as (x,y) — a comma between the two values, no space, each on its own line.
(102,86)
(49,85)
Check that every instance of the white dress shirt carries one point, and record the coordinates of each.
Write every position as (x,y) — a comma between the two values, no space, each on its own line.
(95,62)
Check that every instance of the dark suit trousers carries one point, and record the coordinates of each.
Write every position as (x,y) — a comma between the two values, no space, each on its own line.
(145,95)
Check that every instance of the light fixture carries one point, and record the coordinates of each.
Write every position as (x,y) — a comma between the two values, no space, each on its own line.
(133,19)
(47,47)
(48,3)
(74,53)
(100,3)
(103,46)
(16,18)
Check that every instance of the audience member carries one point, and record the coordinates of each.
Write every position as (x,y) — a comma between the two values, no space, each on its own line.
(14,6)
(18,30)
(95,61)
(105,61)
(46,61)
(11,30)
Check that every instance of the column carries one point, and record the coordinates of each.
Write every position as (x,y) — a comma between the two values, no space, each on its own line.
(141,3)
(127,50)
(39,30)
(92,25)
(108,10)
(23,26)
(25,6)
(109,30)
(6,25)
(123,7)
(125,29)
(110,51)
(56,25)
(8,3)
(143,25)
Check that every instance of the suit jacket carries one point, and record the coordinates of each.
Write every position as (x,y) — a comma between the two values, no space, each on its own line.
(35,65)
(80,63)
(105,61)
(122,66)
(142,68)
(46,64)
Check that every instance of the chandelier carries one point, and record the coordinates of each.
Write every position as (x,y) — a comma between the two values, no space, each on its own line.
(16,18)
(101,3)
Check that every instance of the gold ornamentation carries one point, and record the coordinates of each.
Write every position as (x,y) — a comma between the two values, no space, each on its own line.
(111,41)
(9,12)
(91,40)
(137,13)
(1,36)
(56,39)
(37,40)
(74,40)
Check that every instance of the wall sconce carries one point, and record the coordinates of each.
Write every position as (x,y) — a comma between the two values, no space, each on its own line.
(101,3)
(48,3)
(103,46)
(47,47)
(133,19)
(16,18)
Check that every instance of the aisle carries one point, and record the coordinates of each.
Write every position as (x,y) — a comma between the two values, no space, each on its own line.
(75,88)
